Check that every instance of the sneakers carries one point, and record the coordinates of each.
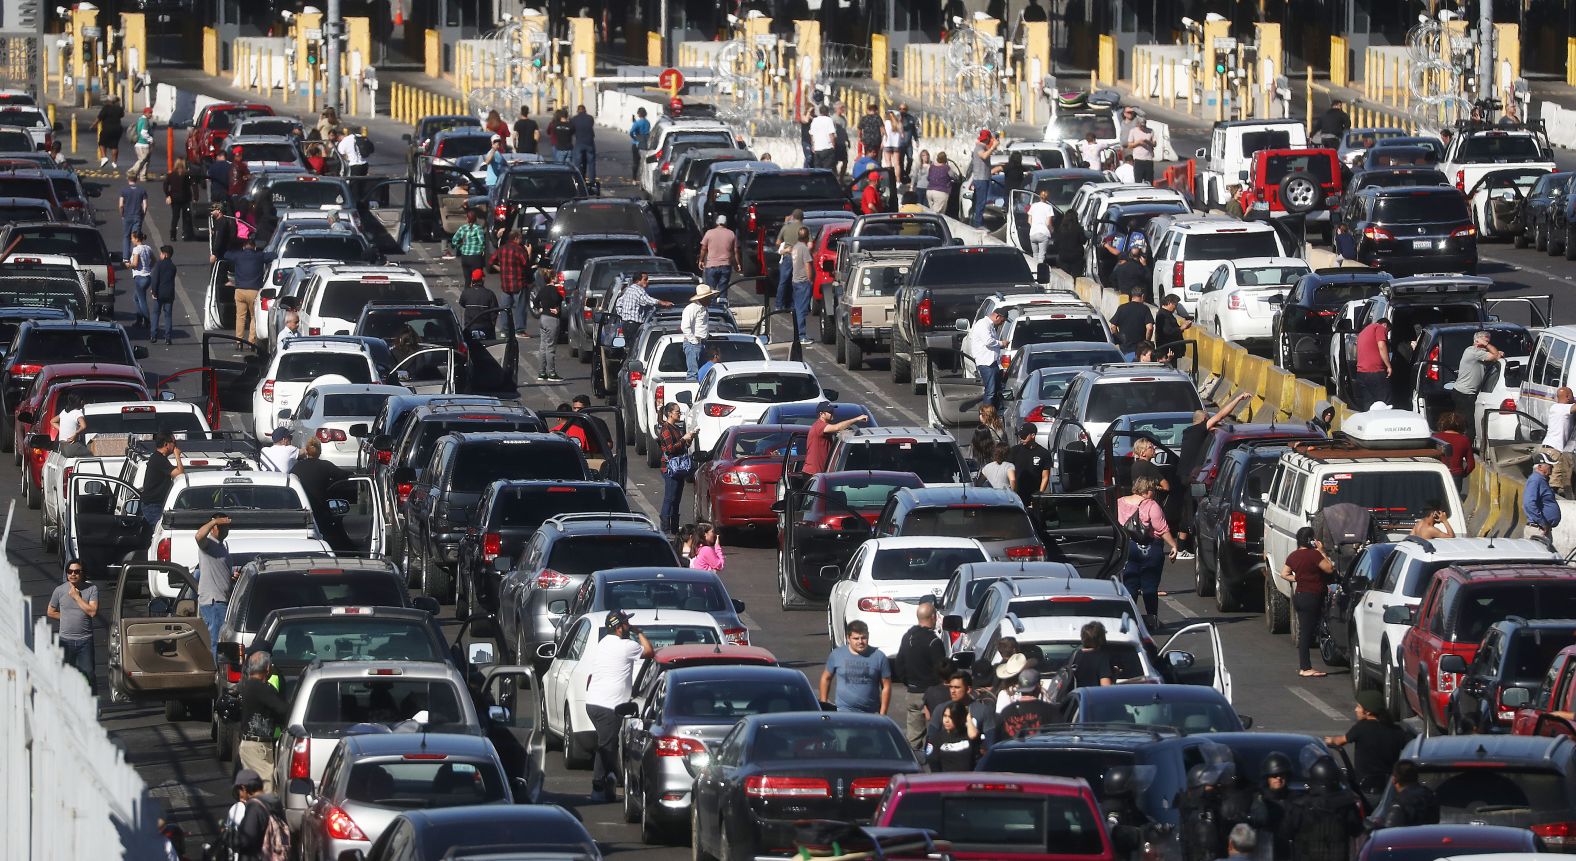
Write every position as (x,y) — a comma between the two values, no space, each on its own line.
(542,377)
(1183,556)
(553,377)
(807,341)
(103,162)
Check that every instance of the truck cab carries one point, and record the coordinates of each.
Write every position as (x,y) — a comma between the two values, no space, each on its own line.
(1229,156)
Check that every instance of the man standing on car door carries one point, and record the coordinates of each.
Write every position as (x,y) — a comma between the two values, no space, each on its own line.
(609,678)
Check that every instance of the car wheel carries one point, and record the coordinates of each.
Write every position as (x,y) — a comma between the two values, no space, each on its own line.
(1329,652)
(652,832)
(174,710)
(1203,578)
(1520,239)
(1540,239)
(856,355)
(732,852)
(1394,697)
(631,812)
(902,371)
(653,454)
(1226,598)
(50,539)
(35,500)
(1569,246)
(639,441)
(828,326)
(697,849)
(842,348)
(1354,659)
(575,759)
(1277,609)
(1430,729)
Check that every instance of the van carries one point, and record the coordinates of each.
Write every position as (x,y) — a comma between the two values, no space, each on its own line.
(1551,366)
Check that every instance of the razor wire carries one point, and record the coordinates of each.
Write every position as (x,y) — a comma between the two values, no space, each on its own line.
(513,48)
(1437,79)
(973,59)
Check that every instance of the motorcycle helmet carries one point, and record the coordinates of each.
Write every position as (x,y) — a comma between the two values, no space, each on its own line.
(1324,774)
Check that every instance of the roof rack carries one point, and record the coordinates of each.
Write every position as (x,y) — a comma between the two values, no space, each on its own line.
(600,516)
(1156,732)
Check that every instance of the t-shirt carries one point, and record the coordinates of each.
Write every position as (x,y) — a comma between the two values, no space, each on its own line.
(563,134)
(281,457)
(74,623)
(1029,463)
(263,711)
(1145,148)
(817,448)
(1469,375)
(1368,359)
(70,423)
(1040,215)
(317,476)
(525,135)
(801,263)
(823,133)
(1192,451)
(349,153)
(1304,564)
(141,260)
(156,482)
(1025,715)
(788,234)
(1092,665)
(1558,436)
(610,667)
(858,678)
(998,474)
(213,572)
(979,164)
(1132,322)
(1376,746)
(1147,469)
(717,247)
(1093,153)
(133,199)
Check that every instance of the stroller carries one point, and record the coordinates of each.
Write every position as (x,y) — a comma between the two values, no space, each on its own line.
(1345,530)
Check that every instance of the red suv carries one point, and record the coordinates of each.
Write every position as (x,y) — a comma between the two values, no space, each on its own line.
(1295,181)
(1461,604)
(1000,816)
(213,125)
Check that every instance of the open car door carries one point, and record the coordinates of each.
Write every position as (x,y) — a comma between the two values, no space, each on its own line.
(386,209)
(237,374)
(1074,457)
(508,704)
(158,646)
(1193,657)
(600,432)
(819,535)
(219,299)
(1018,202)
(199,386)
(1079,529)
(885,181)
(359,525)
(102,523)
(451,189)
(1540,309)
(429,371)
(1116,460)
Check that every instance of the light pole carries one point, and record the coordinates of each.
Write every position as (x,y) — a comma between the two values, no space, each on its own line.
(332,22)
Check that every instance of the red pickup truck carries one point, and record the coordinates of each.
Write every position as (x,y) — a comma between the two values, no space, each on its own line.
(998,816)
(1552,709)
(212,126)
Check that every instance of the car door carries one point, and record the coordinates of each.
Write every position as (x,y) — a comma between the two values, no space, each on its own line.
(507,702)
(200,387)
(603,443)
(451,189)
(847,588)
(1018,201)
(103,522)
(1202,664)
(885,181)
(556,686)
(1078,528)
(363,522)
(1212,511)
(1384,590)
(428,371)
(386,208)
(236,376)
(157,643)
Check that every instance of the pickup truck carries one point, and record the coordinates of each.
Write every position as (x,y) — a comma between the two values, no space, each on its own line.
(849,251)
(947,284)
(1473,155)
(866,300)
(261,505)
(766,199)
(1229,156)
(212,127)
(1551,710)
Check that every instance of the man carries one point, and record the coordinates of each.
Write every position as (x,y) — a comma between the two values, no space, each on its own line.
(1169,326)
(870,129)
(920,661)
(526,135)
(1041,214)
(133,207)
(1376,741)
(579,404)
(281,456)
(818,444)
(1373,364)
(787,235)
(910,127)
(1538,504)
(317,476)
(840,117)
(256,809)
(214,576)
(985,346)
(862,673)
(1125,819)
(1092,152)
(218,175)
(708,358)
(1031,464)
(959,688)
(263,713)
(348,146)
(1140,145)
(1028,711)
(584,127)
(549,314)
(1413,803)
(1333,123)
(1091,664)
(823,139)
(1323,821)
(634,305)
(142,144)
(563,135)
(1131,274)
(240,175)
(610,669)
(476,300)
(159,475)
(161,286)
(694,326)
(469,243)
(1267,810)
(1475,362)
(1242,841)
(979,174)
(248,266)
(109,128)
(1133,323)
(719,255)
(1126,171)
(1559,439)
(1207,809)
(75,604)
(292,328)
(512,262)
(639,130)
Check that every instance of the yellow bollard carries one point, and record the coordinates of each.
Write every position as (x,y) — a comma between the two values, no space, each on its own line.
(51,114)
(73,134)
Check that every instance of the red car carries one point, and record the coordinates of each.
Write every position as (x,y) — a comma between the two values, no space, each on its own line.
(823,260)
(93,383)
(736,483)
(212,126)
(1003,817)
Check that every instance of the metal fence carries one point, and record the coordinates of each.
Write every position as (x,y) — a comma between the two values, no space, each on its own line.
(21,61)
(66,791)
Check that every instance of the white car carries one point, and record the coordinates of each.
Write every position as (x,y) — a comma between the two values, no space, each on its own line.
(328,410)
(285,281)
(296,365)
(1240,298)
(736,393)
(663,383)
(1189,251)
(887,577)
(30,118)
(261,505)
(564,683)
(333,299)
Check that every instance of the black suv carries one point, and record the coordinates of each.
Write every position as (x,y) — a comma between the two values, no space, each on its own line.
(1307,318)
(1515,653)
(527,197)
(1515,780)
(612,342)
(432,324)
(1537,210)
(49,342)
(1413,230)
(1409,304)
(1229,525)
(442,501)
(1555,220)
(506,517)
(1438,353)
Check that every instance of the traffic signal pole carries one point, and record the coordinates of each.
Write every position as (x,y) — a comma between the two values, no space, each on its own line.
(333,23)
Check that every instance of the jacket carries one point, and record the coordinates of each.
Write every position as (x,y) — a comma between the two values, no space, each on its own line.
(163,284)
(1538,502)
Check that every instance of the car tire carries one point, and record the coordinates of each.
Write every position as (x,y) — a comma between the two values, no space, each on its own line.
(1520,239)
(828,326)
(585,355)
(842,348)
(631,812)
(1430,729)
(1360,681)
(1203,578)
(1299,192)
(1569,246)
(50,540)
(1540,238)
(1329,653)
(575,759)
(1394,697)
(1277,609)
(731,852)
(856,355)
(1226,598)
(917,387)
(902,371)
(652,832)
(639,441)
(30,492)
(653,454)
(462,610)
(174,710)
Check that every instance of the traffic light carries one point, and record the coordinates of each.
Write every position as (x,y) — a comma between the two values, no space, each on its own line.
(538,62)
(311,52)
(1222,62)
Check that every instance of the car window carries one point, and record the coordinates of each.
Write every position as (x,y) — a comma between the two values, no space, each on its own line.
(481,463)
(304,366)
(1004,821)
(921,563)
(43,346)
(815,741)
(984,522)
(354,404)
(424,784)
(1233,245)
(1113,400)
(767,388)
(727,351)
(770,444)
(243,497)
(1483,604)
(1494,794)
(1500,148)
(1415,208)
(651,594)
(579,556)
(738,698)
(345,299)
(276,591)
(83,245)
(184,425)
(338,703)
(543,186)
(358,639)
(1394,498)
(933,462)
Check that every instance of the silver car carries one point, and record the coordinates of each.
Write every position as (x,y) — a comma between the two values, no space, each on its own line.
(328,410)
(970,582)
(371,779)
(1040,398)
(691,709)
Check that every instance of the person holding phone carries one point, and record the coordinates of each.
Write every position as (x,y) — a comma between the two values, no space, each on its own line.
(1308,567)
(610,671)
(1435,522)
(214,576)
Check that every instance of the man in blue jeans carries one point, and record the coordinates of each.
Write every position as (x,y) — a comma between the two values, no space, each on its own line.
(979,174)
(584,126)
(214,576)
(74,604)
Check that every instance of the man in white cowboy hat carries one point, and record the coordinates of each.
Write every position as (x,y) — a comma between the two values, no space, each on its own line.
(693,326)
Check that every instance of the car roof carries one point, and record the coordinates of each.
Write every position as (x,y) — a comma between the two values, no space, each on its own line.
(882,434)
(382,669)
(323,563)
(732,672)
(1118,372)
(1555,569)
(842,475)
(943,496)
(399,743)
(605,523)
(1471,548)
(632,573)
(1152,693)
(1064,586)
(1485,749)
(842,718)
(902,542)
(1092,735)
(322,344)
(1212,223)
(971,782)
(1244,262)
(370,614)
(91,370)
(663,616)
(756,367)
(751,655)
(62,325)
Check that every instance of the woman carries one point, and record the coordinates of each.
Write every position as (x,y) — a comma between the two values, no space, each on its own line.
(939,183)
(801,286)
(141,266)
(1013,172)
(921,176)
(1091,664)
(990,419)
(708,549)
(892,143)
(1140,516)
(178,193)
(674,444)
(982,445)
(1458,457)
(70,426)
(316,158)
(955,746)
(493,161)
(999,473)
(245,221)
(327,123)
(1308,567)
(685,539)
(497,126)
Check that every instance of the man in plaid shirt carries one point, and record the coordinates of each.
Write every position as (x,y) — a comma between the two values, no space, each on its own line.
(632,307)
(512,262)
(470,243)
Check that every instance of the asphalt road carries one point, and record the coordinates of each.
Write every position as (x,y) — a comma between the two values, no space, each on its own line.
(177,760)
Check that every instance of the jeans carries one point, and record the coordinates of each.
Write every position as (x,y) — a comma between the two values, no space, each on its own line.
(470,263)
(213,616)
(563,156)
(784,280)
(139,294)
(691,359)
(982,189)
(79,654)
(356,169)
(912,707)
(547,351)
(1143,170)
(826,158)
(1466,409)
(1372,387)
(634,161)
(585,159)
(716,277)
(802,293)
(151,512)
(1041,243)
(130,225)
(1141,574)
(990,376)
(1306,605)
(672,494)
(162,312)
(181,217)
(604,759)
(516,305)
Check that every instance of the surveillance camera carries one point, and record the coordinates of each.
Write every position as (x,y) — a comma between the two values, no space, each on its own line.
(287,15)
(1214,17)
(1446,16)
(733,20)
(1188,22)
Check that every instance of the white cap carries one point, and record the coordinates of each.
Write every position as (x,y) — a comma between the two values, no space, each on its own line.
(722,219)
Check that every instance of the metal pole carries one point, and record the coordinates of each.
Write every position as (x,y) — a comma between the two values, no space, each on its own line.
(1486,50)
(662,22)
(332,23)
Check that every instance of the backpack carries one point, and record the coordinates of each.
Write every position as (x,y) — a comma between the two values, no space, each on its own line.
(276,840)
(364,146)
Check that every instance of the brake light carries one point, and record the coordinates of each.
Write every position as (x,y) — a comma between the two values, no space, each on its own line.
(232,674)
(1036,415)
(164,550)
(1444,682)
(765,786)
(492,545)
(1432,371)
(558,281)
(110,281)
(314,330)
(736,636)
(1239,528)
(268,391)
(403,489)
(385,456)
(1508,404)
(1463,232)
(924,312)
(877,604)
(39,455)
(666,167)
(1461,180)
(1026,551)
(749,217)
(331,435)
(301,759)
(1234,302)
(267,302)
(1555,833)
(634,377)
(26,370)
(586,314)
(1176,274)
(855,316)
(669,745)
(550,579)
(340,826)
(717,411)
(658,395)
(1005,361)
(868,787)
(1377,234)
(500,212)
(742,479)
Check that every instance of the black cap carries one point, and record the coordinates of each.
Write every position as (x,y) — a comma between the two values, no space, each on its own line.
(823,407)
(616,619)
(1026,429)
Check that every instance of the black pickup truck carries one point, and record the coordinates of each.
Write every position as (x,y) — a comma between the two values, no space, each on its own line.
(946,284)
(768,197)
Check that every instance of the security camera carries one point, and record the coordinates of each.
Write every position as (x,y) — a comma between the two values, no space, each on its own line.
(733,20)
(1188,22)
(1214,17)
(287,15)
(1446,16)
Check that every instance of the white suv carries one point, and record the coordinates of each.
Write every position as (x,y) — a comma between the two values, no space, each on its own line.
(1189,251)
(296,365)
(335,296)
(661,381)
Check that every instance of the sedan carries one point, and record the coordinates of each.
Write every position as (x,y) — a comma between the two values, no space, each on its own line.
(541,831)
(1189,708)
(774,770)
(888,577)
(737,393)
(328,411)
(806,414)
(824,524)
(1240,299)
(736,482)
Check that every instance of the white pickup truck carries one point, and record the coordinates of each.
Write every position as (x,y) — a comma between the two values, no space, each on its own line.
(259,504)
(1229,157)
(1473,155)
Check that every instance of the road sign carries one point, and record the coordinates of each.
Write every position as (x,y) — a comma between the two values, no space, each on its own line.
(92,32)
(671,80)
(1225,43)
(314,35)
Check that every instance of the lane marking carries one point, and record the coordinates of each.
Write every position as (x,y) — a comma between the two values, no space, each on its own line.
(1320,705)
(1180,608)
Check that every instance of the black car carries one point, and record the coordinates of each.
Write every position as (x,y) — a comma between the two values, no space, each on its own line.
(1438,353)
(1537,209)
(773,770)
(596,278)
(1190,708)
(543,831)
(565,256)
(1413,230)
(390,421)
(1229,525)
(1394,177)
(1558,210)
(1514,780)
(12,318)
(1337,625)
(1400,156)
(432,325)
(527,197)
(622,215)
(1515,653)
(39,342)
(1307,319)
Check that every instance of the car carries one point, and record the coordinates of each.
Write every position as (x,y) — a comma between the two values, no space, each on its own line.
(995,517)
(1121,220)
(659,160)
(263,152)
(1393,177)
(736,482)
(544,831)
(597,277)
(1439,348)
(1039,374)
(1098,396)
(82,243)
(1498,199)
(690,709)
(736,393)
(1539,209)
(1190,250)
(1188,708)
(562,262)
(1510,780)
(212,126)
(92,383)
(328,412)
(1433,842)
(1305,320)
(862,321)
(269,506)
(1002,605)
(1356,142)
(30,209)
(1239,301)
(1228,525)
(297,365)
(527,197)
(690,169)
(334,297)
(886,577)
(440,357)
(1413,230)
(806,414)
(32,183)
(927,452)
(1230,152)
(663,373)
(822,524)
(609,342)
(647,587)
(719,188)
(1515,653)
(1000,816)
(772,770)
(313,196)
(39,342)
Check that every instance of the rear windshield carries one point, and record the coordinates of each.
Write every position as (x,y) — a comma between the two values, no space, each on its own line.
(424,784)
(603,218)
(304,366)
(245,497)
(1402,156)
(336,705)
(277,591)
(1416,208)
(528,509)
(816,741)
(665,635)
(431,430)
(933,462)
(63,345)
(354,405)
(32,291)
(1500,148)
(1340,293)
(1532,652)
(464,145)
(985,522)
(1125,663)
(348,248)
(1400,179)
(351,638)
(1110,402)
(891,226)
(768,388)
(1392,497)
(482,463)
(267,152)
(27,186)
(1075,126)
(579,556)
(1004,821)
(1191,717)
(1062,190)
(547,186)
(1370,137)
(307,195)
(1052,386)
(1454,342)
(1270,276)
(609,272)
(795,186)
(24,117)
(148,423)
(271,126)
(1072,607)
(83,245)
(429,327)
(1071,358)
(922,563)
(65,189)
(99,394)
(702,596)
(975,267)
(771,444)
(1278,167)
(1482,605)
(16,141)
(882,280)
(1232,246)
(1252,142)
(26,213)
(584,249)
(1048,331)
(865,495)
(737,698)
(1496,795)
(727,351)
(1091,765)
(345,299)
(221,120)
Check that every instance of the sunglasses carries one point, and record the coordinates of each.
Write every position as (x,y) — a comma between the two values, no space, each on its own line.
(73,570)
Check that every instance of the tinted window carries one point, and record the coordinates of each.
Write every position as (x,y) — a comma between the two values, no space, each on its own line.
(99,394)
(1496,795)
(431,430)
(1230,246)
(349,248)
(662,636)
(1400,179)
(66,189)
(987,821)
(772,444)
(276,591)
(1071,358)
(974,267)
(337,704)
(424,784)
(24,212)
(582,250)
(1340,293)
(902,227)
(1110,402)
(1277,167)
(544,186)
(787,186)
(246,497)
(1046,331)
(267,152)
(429,327)
(1252,142)
(1531,652)
(578,556)
(1053,384)
(1275,276)
(1062,190)
(704,596)
(85,246)
(607,272)
(221,120)
(269,126)
(985,522)
(307,195)
(460,147)
(303,366)
(45,346)
(580,217)
(1193,717)
(918,563)
(727,351)
(1090,765)
(1079,607)
(1416,208)
(29,291)
(353,405)
(736,698)
(933,462)
(1392,497)
(183,424)
(26,186)
(1482,605)
(865,495)
(1370,137)
(345,299)
(342,638)
(528,509)
(768,388)
(1493,147)
(811,741)
(480,464)
(882,280)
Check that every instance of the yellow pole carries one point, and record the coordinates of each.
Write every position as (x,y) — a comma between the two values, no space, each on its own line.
(1308,90)
(51,114)
(73,134)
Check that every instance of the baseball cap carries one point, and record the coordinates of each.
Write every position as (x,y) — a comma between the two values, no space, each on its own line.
(984,135)
(722,219)
(615,619)
(281,434)
(1026,429)
(246,777)
(823,407)
(478,275)
(1029,682)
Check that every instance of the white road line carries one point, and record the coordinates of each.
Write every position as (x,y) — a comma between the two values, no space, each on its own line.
(1320,705)
(194,320)
(1180,608)
(1523,267)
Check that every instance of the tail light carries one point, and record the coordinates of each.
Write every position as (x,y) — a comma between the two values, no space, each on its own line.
(681,188)
(403,489)
(39,455)
(1006,360)
(1464,232)
(550,579)
(1461,180)
(267,302)
(717,411)
(1378,234)
(164,550)
(659,395)
(110,281)
(26,370)
(65,480)
(500,212)
(1239,528)
(741,479)
(749,217)
(736,636)
(492,545)
(766,786)
(558,282)
(268,390)
(340,826)
(385,456)
(868,787)
(586,315)
(1176,275)
(1234,302)
(1431,372)
(634,378)
(1036,415)
(924,313)
(671,745)
(855,316)
(954,636)
(1444,682)
(1026,551)
(1555,834)
(301,759)
(331,435)
(666,167)
(314,330)
(877,604)
(1508,404)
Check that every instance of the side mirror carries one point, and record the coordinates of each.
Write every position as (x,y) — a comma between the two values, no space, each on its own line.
(1247,721)
(619,342)
(1276,299)
(1452,664)
(547,651)
(351,855)
(166,395)
(827,707)
(952,623)
(404,475)
(502,566)
(828,266)
(1398,614)
(296,730)
(960,324)
(116,258)
(685,398)
(1180,660)
(1201,153)
(40,441)
(830,394)
(1515,698)
(481,655)
(338,507)
(738,606)
(780,506)
(139,352)
(1198,490)
(25,416)
(558,607)
(431,606)
(625,710)
(358,430)
(407,139)
(383,442)
(499,716)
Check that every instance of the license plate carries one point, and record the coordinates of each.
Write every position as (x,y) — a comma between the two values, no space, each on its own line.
(1422,245)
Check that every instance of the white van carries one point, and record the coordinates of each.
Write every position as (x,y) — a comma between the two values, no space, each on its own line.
(1551,366)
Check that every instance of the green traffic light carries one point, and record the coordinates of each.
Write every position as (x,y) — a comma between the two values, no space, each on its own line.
(1220,68)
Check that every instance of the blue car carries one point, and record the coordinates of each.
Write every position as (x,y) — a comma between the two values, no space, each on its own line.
(805,414)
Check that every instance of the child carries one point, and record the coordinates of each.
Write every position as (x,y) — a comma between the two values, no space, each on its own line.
(708,550)
(685,538)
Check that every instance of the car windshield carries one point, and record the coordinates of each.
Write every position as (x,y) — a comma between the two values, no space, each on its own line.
(1420,208)
(882,280)
(1400,179)
(1189,716)
(1048,330)
(464,145)
(795,186)
(354,404)
(922,563)
(705,596)
(1270,276)
(864,496)
(429,327)
(1495,794)
(529,508)
(813,741)
(482,463)
(245,497)
(349,248)
(933,462)
(898,226)
(1500,148)
(736,698)
(1393,497)
(337,704)
(1110,402)
(345,299)
(580,555)
(44,346)
(1091,765)
(544,186)
(267,152)
(1481,605)
(1003,820)
(1278,167)
(184,425)
(747,350)
(984,522)
(975,266)
(221,120)
(353,638)
(581,250)
(1234,244)
(1062,190)
(768,388)
(302,589)
(424,784)
(81,244)
(303,194)
(304,366)
(770,444)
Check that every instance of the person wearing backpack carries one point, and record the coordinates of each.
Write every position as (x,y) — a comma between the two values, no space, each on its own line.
(1145,525)
(255,829)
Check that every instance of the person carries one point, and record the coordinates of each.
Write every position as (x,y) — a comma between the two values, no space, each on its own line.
(526,135)
(1458,449)
(347,145)
(178,193)
(1012,172)
(214,576)
(1538,505)
(1144,451)
(1131,273)
(494,164)
(991,423)
(563,136)
(939,180)
(161,287)
(1242,842)
(708,358)
(610,668)
(840,118)
(956,744)
(910,139)
(870,194)
(985,346)
(159,475)
(694,326)
(109,127)
(803,286)
(1171,321)
(1324,820)
(1031,465)
(239,175)
(1125,820)
(263,714)
(317,476)
(1267,810)
(918,666)
(142,144)
(1333,123)
(1091,665)
(1069,237)
(633,306)
(1559,438)
(249,266)
(1092,152)
(1373,364)
(495,124)
(1140,144)
(1132,323)
(1194,437)
(719,255)
(292,328)
(981,445)
(70,427)
(217,171)
(998,473)
(1041,214)
(469,243)
(316,158)
(583,125)
(708,555)
(1475,362)
(870,133)
(823,139)
(685,539)
(1435,522)
(1145,561)
(1345,244)
(1234,207)
(979,174)
(1028,710)
(1413,802)
(549,307)
(1376,740)
(958,688)
(1204,819)
(862,673)
(818,442)
(512,262)
(327,123)
(787,235)
(133,208)
(674,443)
(282,455)
(476,300)
(75,604)
(1125,171)
(1308,568)
(251,820)
(141,265)
(639,130)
